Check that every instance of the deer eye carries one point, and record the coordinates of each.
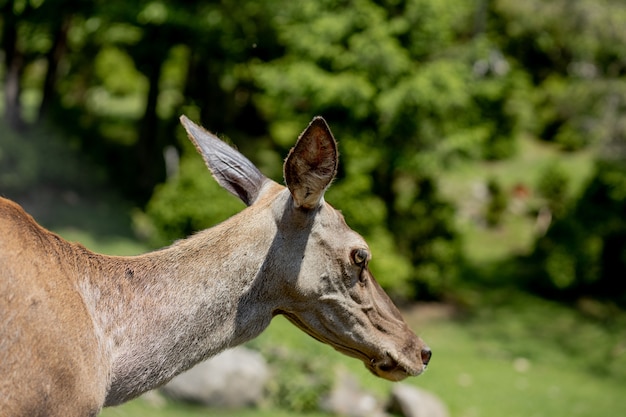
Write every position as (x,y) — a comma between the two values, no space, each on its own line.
(359,257)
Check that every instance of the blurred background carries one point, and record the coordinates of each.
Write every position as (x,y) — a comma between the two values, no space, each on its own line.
(483,157)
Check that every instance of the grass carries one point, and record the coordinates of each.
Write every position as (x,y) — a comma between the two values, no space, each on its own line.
(477,382)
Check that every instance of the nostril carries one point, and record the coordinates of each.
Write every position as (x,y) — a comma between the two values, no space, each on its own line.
(426,354)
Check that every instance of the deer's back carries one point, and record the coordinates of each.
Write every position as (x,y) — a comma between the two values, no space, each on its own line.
(47,344)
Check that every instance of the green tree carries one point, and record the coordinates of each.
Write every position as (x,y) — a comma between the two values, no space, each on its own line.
(572,50)
(32,33)
(409,88)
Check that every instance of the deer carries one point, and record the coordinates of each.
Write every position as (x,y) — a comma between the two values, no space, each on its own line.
(80,331)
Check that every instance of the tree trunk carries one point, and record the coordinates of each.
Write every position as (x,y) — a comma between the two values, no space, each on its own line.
(12,90)
(202,88)
(14,68)
(54,56)
(149,147)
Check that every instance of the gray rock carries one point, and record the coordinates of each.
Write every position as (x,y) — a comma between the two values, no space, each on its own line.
(409,401)
(154,399)
(235,378)
(348,399)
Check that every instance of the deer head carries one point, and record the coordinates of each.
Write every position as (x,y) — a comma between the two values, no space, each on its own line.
(318,267)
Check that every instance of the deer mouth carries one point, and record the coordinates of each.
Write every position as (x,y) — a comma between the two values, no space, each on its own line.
(392,369)
(411,361)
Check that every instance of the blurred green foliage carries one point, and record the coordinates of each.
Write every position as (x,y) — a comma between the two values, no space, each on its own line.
(584,252)
(553,187)
(411,89)
(299,382)
(188,203)
(497,205)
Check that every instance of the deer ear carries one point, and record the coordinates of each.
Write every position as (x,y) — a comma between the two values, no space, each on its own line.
(312,164)
(231,169)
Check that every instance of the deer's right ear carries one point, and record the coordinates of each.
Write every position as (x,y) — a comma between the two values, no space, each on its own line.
(231,169)
(312,164)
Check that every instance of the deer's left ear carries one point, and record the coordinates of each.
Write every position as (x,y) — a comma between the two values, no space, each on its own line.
(311,165)
(232,170)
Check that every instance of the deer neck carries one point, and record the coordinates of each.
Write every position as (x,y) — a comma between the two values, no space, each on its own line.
(160,313)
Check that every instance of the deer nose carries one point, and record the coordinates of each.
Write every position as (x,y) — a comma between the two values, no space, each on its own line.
(426,354)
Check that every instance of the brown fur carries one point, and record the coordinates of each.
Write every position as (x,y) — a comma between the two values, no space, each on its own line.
(79,330)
